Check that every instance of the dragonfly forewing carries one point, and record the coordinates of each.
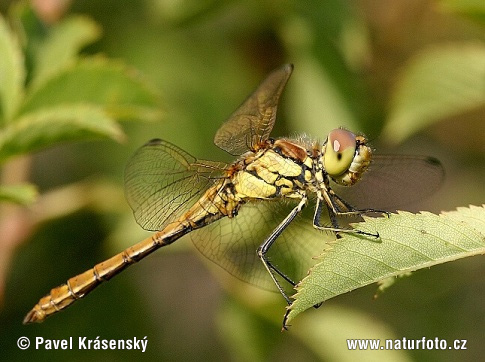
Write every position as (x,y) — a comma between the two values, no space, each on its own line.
(251,124)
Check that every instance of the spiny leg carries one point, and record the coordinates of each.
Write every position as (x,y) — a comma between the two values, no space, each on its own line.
(280,273)
(353,210)
(333,211)
(266,245)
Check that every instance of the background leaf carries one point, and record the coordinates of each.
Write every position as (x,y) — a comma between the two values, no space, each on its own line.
(62,45)
(407,242)
(327,332)
(474,9)
(23,194)
(110,85)
(439,82)
(313,93)
(12,73)
(41,129)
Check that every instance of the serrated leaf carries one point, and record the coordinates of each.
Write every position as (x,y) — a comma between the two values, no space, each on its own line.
(122,93)
(473,216)
(12,73)
(53,125)
(407,242)
(62,45)
(437,83)
(386,283)
(23,194)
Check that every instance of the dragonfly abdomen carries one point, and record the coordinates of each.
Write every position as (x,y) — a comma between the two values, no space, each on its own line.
(217,202)
(79,286)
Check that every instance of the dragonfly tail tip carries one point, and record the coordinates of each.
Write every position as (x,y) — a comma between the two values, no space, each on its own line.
(33,317)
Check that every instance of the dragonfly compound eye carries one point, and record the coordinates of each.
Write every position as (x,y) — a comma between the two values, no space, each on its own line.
(339,152)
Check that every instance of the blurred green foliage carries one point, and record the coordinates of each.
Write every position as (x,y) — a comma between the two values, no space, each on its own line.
(62,97)
(411,71)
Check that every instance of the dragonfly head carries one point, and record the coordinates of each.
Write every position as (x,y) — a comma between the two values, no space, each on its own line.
(345,156)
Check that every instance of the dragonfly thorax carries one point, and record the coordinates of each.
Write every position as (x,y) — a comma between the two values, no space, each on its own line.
(288,168)
(283,169)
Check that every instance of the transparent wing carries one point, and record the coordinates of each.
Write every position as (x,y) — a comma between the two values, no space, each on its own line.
(162,182)
(394,182)
(232,243)
(253,121)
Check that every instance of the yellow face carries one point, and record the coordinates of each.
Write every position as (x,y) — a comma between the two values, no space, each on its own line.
(345,156)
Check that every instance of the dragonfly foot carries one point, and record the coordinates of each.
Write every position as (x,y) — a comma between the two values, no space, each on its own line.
(285,319)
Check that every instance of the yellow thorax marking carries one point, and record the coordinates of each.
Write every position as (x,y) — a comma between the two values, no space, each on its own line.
(275,163)
(248,185)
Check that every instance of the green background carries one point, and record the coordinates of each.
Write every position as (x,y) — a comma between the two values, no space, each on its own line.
(355,66)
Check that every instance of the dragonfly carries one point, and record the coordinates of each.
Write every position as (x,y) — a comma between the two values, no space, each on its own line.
(245,216)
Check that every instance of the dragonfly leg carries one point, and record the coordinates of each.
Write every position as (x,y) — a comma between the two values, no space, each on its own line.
(266,245)
(333,211)
(351,210)
(280,273)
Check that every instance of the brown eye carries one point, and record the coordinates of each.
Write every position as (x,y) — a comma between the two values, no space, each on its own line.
(339,151)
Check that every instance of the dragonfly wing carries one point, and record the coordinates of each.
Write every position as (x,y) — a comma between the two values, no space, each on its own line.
(162,182)
(253,121)
(232,243)
(394,182)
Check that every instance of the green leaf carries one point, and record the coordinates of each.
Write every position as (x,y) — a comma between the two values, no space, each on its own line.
(244,332)
(12,73)
(473,216)
(475,9)
(438,83)
(326,333)
(121,92)
(62,45)
(407,242)
(60,124)
(386,283)
(23,194)
(314,98)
